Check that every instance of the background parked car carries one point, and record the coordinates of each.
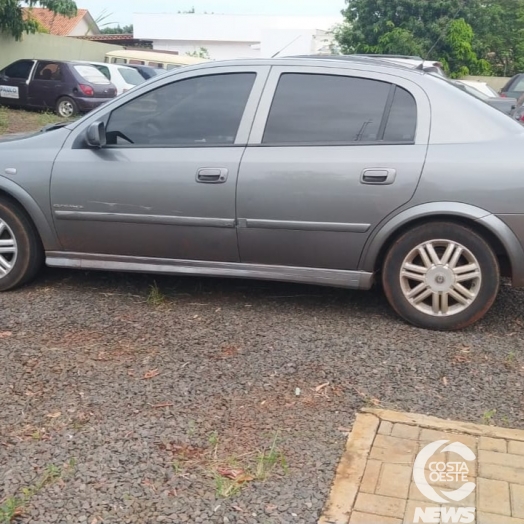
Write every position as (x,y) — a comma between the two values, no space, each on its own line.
(65,87)
(514,87)
(483,87)
(148,72)
(506,105)
(124,78)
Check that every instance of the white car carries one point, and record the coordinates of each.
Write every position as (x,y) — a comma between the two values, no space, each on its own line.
(122,77)
(481,86)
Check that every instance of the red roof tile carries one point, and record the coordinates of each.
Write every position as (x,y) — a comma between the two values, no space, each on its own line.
(55,24)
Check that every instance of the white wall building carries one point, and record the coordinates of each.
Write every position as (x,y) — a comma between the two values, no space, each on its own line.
(237,36)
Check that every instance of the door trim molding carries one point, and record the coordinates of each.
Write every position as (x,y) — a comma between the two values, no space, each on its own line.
(131,218)
(303,226)
(318,276)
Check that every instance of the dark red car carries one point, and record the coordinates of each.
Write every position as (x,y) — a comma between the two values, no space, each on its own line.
(67,88)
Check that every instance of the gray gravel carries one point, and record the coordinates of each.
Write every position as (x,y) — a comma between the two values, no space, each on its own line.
(230,355)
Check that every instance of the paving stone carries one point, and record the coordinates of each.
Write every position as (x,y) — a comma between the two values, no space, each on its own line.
(371,476)
(493,495)
(358,517)
(385,428)
(493,518)
(411,508)
(430,435)
(493,444)
(405,431)
(503,459)
(399,445)
(497,472)
(394,480)
(516,447)
(379,505)
(517,500)
(391,456)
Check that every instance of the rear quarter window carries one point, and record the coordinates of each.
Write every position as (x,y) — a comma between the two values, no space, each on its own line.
(91,74)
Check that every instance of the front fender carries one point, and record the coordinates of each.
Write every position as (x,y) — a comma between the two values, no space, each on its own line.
(452,209)
(43,225)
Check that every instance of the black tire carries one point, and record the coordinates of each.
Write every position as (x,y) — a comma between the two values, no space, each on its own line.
(66,101)
(486,291)
(30,254)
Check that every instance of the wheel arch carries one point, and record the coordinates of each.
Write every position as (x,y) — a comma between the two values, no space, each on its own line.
(499,236)
(21,199)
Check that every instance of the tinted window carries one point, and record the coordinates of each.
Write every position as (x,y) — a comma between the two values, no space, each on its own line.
(131,76)
(20,69)
(203,111)
(48,71)
(518,85)
(402,121)
(326,109)
(104,70)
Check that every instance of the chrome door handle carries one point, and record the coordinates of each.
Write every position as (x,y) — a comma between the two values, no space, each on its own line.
(378,176)
(212,175)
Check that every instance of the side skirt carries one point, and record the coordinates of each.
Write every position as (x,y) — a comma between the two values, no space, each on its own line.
(318,276)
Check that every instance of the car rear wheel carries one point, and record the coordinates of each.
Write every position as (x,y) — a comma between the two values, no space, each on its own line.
(441,276)
(66,107)
(21,253)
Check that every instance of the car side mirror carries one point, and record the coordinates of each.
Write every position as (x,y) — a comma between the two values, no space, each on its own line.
(96,135)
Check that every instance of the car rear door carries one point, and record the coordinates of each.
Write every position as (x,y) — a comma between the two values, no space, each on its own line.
(14,81)
(165,185)
(332,153)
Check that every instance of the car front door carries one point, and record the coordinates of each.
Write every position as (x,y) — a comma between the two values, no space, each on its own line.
(164,186)
(332,153)
(14,80)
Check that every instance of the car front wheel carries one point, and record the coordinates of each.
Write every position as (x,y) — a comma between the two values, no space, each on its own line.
(21,253)
(441,276)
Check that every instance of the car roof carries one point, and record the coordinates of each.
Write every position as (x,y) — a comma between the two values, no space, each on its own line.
(339,61)
(94,62)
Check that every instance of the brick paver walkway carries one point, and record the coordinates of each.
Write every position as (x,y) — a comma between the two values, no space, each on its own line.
(383,470)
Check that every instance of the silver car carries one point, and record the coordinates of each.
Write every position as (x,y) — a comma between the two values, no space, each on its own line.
(339,173)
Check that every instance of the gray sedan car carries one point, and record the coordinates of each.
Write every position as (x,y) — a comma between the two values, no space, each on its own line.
(339,173)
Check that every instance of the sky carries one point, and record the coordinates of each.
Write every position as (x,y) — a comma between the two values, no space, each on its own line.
(122,10)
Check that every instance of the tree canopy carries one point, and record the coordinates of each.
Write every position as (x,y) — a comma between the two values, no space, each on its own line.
(467,36)
(13,22)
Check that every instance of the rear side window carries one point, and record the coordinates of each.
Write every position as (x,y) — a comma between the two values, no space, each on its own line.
(334,109)
(326,109)
(402,120)
(48,71)
(91,74)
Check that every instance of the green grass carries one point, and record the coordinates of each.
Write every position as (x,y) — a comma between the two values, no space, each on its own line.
(155,296)
(4,121)
(12,507)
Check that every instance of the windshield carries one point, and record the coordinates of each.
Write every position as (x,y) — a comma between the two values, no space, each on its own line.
(131,76)
(91,74)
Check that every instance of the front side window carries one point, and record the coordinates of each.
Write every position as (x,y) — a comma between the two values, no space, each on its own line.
(20,69)
(199,111)
(329,109)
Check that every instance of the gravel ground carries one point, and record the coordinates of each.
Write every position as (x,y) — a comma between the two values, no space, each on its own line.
(122,405)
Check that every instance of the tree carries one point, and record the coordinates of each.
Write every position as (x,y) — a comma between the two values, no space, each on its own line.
(433,29)
(199,53)
(13,22)
(117,30)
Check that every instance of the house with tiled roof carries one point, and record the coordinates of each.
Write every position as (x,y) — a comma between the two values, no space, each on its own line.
(83,24)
